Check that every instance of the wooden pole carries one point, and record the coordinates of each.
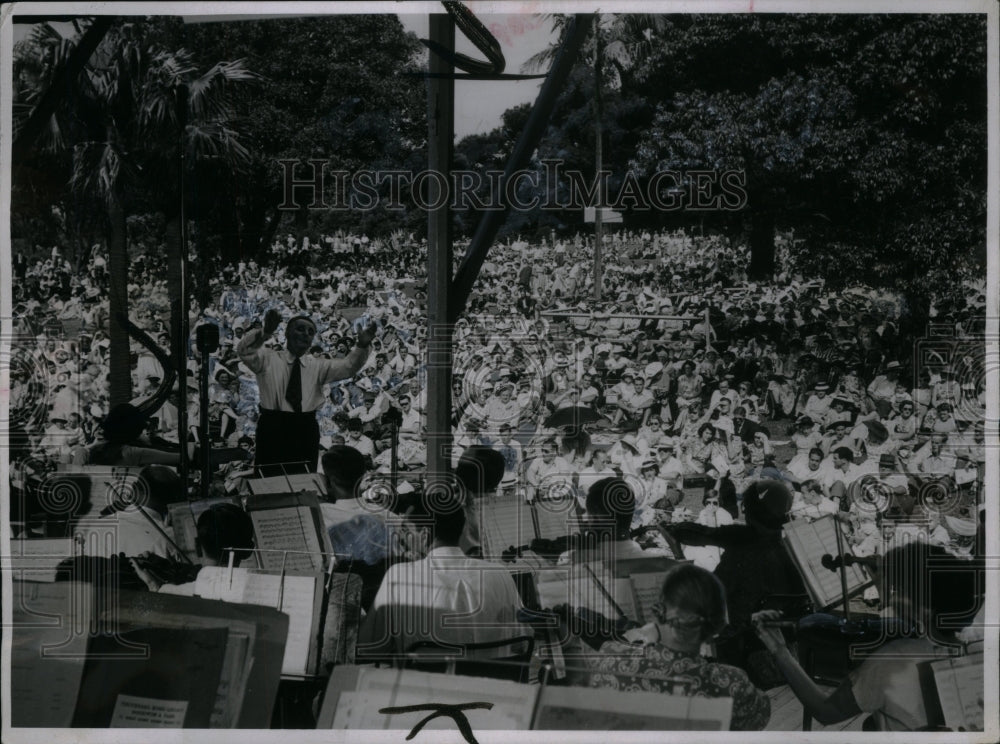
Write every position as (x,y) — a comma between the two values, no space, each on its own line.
(441,133)
(475,254)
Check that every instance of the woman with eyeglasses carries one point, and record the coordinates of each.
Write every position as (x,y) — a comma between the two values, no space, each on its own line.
(665,655)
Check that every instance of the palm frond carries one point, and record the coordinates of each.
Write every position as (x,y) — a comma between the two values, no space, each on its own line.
(543,59)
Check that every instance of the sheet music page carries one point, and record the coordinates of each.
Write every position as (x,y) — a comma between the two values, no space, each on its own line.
(556,517)
(287,528)
(37,559)
(646,592)
(506,522)
(553,586)
(960,689)
(809,542)
(297,601)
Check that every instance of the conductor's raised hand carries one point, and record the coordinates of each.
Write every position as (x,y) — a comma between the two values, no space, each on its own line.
(272,319)
(366,335)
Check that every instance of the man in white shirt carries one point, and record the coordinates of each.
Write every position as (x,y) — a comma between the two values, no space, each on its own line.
(441,597)
(411,424)
(843,473)
(548,471)
(291,387)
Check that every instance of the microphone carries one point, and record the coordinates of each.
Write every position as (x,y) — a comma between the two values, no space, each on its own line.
(828,562)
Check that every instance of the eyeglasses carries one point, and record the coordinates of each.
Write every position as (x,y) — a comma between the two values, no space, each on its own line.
(685,624)
(712,502)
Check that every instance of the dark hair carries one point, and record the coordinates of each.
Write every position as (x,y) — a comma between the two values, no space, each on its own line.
(224,526)
(480,469)
(306,318)
(844,453)
(696,590)
(816,451)
(343,466)
(703,427)
(612,499)
(444,512)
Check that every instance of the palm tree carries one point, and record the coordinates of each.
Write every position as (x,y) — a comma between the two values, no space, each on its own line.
(140,114)
(615,44)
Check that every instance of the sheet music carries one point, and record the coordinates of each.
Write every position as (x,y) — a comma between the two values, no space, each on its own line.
(297,601)
(582,708)
(553,586)
(646,592)
(556,517)
(808,543)
(960,689)
(37,559)
(288,484)
(506,522)
(287,528)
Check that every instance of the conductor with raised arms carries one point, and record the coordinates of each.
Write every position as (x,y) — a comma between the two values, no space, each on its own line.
(291,388)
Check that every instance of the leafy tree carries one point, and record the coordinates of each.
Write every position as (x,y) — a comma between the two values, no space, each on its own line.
(341,89)
(866,134)
(615,44)
(122,120)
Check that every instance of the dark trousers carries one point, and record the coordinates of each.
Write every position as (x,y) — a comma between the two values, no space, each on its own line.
(286,442)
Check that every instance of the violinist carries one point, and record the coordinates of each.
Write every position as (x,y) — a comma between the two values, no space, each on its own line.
(887,684)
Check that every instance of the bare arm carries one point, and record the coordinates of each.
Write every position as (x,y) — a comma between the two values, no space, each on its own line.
(827,709)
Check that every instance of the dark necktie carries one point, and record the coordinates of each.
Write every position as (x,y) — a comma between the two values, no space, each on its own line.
(293,393)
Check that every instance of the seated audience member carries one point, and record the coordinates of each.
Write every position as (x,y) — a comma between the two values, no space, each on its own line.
(549,474)
(811,468)
(810,503)
(711,515)
(933,595)
(442,596)
(691,610)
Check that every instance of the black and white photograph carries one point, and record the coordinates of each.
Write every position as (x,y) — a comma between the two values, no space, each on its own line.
(476,371)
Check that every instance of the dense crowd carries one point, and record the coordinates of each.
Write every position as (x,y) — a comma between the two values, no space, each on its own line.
(701,395)
(685,368)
